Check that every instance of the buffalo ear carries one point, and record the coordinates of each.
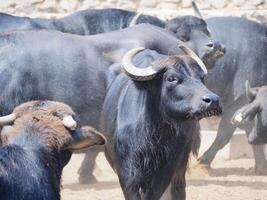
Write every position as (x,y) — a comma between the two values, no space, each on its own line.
(250,92)
(84,138)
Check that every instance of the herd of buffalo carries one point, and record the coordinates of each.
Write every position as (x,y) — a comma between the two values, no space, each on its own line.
(132,83)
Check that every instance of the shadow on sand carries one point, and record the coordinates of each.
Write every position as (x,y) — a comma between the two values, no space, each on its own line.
(253,185)
(102,185)
(231,171)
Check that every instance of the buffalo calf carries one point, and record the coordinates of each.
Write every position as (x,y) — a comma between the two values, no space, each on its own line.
(36,145)
(150,118)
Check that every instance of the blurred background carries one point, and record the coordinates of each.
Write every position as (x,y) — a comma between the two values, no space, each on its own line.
(165,9)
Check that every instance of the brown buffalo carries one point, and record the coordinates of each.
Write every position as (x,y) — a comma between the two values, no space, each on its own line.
(36,145)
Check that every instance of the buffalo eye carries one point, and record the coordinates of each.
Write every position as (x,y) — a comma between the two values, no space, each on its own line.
(54,113)
(174,79)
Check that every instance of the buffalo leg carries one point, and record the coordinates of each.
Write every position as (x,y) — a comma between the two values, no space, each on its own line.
(153,194)
(156,191)
(131,194)
(225,132)
(86,170)
(178,189)
(259,155)
(130,190)
(260,160)
(178,182)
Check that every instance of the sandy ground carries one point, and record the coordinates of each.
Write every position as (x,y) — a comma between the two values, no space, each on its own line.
(228,180)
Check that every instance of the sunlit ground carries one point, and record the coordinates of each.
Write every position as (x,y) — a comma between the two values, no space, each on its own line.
(229,180)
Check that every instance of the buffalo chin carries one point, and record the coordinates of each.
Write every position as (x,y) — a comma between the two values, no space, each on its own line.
(201,115)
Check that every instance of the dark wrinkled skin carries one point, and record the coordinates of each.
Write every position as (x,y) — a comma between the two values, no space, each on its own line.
(256,112)
(152,126)
(246,46)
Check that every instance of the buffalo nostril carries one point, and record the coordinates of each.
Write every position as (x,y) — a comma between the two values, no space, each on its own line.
(219,47)
(210,45)
(212,103)
(206,99)
(211,99)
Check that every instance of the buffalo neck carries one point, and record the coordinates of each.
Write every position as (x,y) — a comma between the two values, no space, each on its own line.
(34,171)
(144,105)
(150,134)
(38,144)
(50,157)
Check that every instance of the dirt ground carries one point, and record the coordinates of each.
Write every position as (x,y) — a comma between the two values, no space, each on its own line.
(228,180)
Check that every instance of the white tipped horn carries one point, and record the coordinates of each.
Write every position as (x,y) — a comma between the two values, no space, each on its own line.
(135,19)
(192,54)
(239,118)
(136,73)
(69,122)
(7,119)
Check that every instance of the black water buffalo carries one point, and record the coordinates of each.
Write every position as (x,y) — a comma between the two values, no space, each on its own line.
(94,21)
(70,68)
(255,111)
(150,118)
(86,22)
(246,45)
(37,146)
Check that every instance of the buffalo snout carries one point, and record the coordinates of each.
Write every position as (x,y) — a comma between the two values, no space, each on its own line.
(216,46)
(212,103)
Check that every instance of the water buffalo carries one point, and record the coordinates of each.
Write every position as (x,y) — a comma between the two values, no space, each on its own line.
(86,22)
(35,148)
(150,118)
(94,21)
(245,41)
(48,64)
(254,111)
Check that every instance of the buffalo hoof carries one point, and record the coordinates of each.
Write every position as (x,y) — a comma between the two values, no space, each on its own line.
(85,180)
(85,177)
(261,169)
(200,170)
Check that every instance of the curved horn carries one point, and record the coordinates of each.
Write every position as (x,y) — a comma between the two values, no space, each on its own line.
(250,93)
(192,54)
(138,74)
(135,19)
(69,122)
(196,9)
(7,119)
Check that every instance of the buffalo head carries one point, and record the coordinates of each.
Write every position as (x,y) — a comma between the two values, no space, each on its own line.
(194,31)
(255,110)
(51,124)
(177,83)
